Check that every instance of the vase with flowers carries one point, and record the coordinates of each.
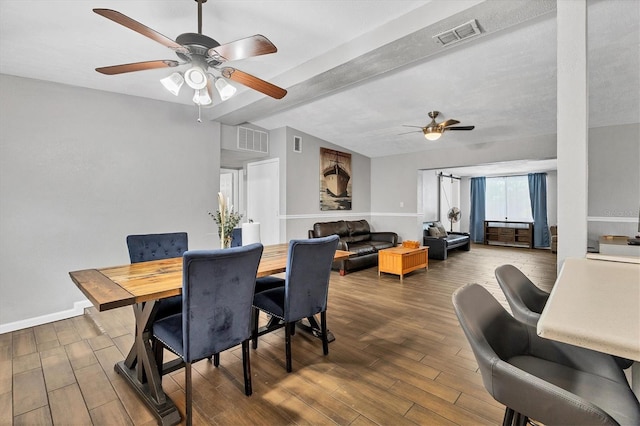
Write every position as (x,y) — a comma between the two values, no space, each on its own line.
(226,219)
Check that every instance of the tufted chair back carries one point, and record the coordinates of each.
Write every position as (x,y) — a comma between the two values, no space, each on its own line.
(143,248)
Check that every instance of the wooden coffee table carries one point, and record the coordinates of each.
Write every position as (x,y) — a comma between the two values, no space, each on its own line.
(402,260)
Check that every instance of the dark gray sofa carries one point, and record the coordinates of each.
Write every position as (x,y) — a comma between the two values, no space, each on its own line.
(439,244)
(356,237)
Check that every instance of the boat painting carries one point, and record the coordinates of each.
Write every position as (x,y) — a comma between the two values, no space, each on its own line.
(335,180)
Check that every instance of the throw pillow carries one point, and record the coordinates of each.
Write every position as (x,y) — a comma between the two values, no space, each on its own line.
(434,232)
(443,232)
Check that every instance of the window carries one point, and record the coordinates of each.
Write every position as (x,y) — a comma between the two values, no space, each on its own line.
(507,198)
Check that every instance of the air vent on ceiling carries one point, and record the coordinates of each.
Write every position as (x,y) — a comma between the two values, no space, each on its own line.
(461,32)
(253,140)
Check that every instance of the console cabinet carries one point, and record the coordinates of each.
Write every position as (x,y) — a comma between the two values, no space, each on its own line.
(518,234)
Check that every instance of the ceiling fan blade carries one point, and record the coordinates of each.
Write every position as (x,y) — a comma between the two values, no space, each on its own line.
(408,125)
(136,26)
(461,128)
(137,66)
(406,133)
(244,48)
(253,82)
(449,123)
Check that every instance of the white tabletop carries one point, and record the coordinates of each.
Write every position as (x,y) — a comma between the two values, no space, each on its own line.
(595,304)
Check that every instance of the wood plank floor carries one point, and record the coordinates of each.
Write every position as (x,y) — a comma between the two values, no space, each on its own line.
(399,358)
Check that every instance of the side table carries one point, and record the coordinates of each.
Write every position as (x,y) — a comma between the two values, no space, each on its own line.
(402,260)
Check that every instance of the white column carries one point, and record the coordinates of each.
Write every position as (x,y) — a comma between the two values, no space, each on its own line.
(572,128)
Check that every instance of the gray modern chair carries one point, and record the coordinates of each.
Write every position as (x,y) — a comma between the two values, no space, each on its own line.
(551,382)
(217,293)
(304,293)
(143,248)
(527,301)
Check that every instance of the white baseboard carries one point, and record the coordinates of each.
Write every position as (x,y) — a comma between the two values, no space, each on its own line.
(78,309)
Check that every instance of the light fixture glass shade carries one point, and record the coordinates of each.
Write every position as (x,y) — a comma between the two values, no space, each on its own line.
(173,83)
(202,97)
(224,89)
(195,78)
(432,135)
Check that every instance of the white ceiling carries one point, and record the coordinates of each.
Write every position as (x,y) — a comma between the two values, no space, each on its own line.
(356,70)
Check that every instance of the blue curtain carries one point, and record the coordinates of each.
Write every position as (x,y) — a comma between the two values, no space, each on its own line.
(538,196)
(476,218)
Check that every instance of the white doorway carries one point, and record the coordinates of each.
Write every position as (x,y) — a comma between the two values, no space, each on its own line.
(263,198)
(230,188)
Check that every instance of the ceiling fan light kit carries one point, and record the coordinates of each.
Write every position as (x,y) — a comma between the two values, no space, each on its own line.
(202,97)
(432,133)
(225,90)
(433,130)
(195,78)
(173,83)
(203,54)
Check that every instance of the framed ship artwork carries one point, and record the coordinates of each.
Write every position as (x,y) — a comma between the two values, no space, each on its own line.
(335,180)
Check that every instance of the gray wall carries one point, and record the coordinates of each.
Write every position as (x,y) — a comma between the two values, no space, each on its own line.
(614,181)
(79,170)
(396,179)
(302,172)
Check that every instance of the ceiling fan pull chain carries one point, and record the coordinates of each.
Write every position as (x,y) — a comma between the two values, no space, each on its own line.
(199,117)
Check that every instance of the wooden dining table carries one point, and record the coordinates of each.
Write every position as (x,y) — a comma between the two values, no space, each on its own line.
(141,285)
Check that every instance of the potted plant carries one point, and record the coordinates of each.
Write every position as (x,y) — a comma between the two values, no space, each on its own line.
(226,219)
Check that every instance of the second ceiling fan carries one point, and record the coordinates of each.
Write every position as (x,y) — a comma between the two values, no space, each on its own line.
(433,130)
(203,54)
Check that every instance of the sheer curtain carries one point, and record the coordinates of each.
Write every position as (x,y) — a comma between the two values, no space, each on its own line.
(476,218)
(538,196)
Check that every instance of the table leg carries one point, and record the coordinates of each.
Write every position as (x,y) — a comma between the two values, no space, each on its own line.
(141,371)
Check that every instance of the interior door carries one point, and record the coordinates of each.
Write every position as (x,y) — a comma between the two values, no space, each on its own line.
(263,198)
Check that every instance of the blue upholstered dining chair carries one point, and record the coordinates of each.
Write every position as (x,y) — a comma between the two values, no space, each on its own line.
(527,301)
(304,293)
(550,382)
(143,248)
(217,292)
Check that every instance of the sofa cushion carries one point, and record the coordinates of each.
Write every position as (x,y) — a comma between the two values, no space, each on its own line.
(358,238)
(358,227)
(362,248)
(380,245)
(455,238)
(324,229)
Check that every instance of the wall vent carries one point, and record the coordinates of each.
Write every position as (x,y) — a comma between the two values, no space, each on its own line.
(253,140)
(461,32)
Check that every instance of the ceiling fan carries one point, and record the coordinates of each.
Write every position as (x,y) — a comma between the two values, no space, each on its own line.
(433,130)
(204,55)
